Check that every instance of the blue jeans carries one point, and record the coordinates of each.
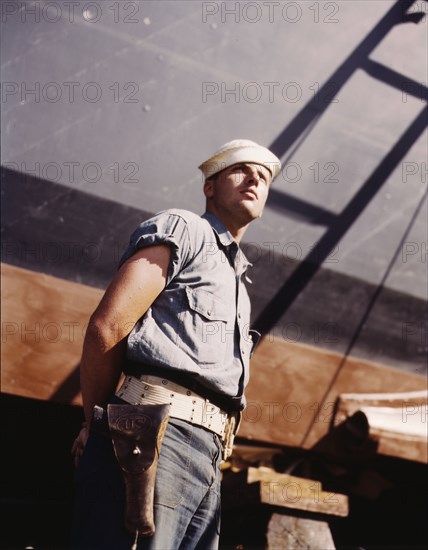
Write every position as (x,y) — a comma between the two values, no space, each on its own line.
(187,494)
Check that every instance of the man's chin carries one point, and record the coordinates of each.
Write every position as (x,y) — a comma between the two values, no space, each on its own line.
(253,208)
(252,214)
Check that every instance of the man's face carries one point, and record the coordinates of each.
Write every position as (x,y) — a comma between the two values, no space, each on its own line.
(239,191)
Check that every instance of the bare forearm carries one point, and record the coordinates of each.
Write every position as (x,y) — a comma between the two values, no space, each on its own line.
(101,365)
(128,297)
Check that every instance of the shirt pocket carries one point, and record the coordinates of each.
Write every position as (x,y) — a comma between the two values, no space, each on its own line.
(209,335)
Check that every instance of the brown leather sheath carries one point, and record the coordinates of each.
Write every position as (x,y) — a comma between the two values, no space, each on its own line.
(137,432)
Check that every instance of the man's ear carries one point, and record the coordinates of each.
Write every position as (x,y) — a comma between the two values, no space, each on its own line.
(209,188)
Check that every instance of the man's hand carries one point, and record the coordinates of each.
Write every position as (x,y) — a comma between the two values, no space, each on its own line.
(79,444)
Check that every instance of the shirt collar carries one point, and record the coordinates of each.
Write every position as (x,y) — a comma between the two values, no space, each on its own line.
(226,238)
(223,234)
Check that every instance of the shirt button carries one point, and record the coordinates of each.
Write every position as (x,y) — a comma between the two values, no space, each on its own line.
(243,351)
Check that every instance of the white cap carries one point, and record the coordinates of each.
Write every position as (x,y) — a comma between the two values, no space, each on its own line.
(240,150)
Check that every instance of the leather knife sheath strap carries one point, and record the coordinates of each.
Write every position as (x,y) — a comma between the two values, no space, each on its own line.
(137,432)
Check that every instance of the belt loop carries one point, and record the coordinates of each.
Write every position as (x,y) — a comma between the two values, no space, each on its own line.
(206,412)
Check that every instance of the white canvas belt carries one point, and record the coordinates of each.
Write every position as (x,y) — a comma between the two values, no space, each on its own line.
(185,404)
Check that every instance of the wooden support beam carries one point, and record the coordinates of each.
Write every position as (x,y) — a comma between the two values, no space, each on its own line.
(44,320)
(396,422)
(293,390)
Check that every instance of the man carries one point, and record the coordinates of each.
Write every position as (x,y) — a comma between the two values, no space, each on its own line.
(175,321)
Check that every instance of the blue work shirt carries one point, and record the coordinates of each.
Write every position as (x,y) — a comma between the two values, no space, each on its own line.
(199,324)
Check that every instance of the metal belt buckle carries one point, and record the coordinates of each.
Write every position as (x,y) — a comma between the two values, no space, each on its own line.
(232,427)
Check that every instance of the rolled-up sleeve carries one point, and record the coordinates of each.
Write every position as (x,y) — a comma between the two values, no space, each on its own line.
(164,228)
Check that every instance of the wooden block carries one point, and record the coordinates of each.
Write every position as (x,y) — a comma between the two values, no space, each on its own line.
(268,474)
(297,493)
(295,533)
